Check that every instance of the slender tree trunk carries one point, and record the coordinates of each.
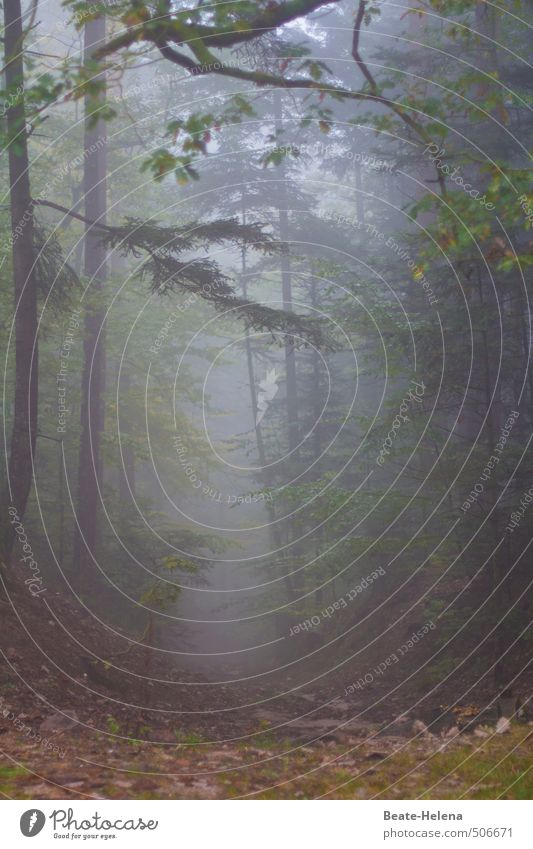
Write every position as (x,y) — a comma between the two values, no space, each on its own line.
(92,405)
(359,197)
(266,475)
(248,349)
(290,359)
(317,433)
(24,431)
(286,290)
(126,474)
(317,405)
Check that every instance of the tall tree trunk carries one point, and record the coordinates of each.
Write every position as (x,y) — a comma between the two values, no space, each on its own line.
(487,61)
(24,433)
(283,621)
(290,588)
(317,405)
(92,406)
(286,290)
(248,349)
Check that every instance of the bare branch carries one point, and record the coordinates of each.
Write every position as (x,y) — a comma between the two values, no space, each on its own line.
(355,46)
(71,212)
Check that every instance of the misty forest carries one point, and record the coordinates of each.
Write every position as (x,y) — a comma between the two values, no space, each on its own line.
(266,508)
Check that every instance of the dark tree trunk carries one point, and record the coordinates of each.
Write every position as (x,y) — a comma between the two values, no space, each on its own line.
(487,60)
(92,405)
(24,433)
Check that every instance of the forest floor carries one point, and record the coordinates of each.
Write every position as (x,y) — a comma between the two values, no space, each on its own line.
(199,741)
(367,766)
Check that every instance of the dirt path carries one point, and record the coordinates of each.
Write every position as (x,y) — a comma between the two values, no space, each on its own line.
(79,720)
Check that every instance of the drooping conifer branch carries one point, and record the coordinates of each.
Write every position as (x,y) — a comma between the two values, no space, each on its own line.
(168,267)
